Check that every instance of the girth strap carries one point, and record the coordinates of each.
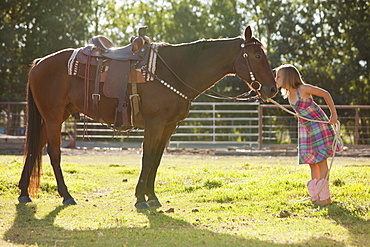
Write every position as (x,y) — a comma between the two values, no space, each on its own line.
(136,116)
(96,95)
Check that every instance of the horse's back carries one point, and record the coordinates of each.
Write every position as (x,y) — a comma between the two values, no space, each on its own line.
(53,62)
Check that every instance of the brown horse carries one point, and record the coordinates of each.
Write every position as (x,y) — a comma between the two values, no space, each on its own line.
(189,69)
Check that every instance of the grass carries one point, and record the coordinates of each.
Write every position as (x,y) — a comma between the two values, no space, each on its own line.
(207,201)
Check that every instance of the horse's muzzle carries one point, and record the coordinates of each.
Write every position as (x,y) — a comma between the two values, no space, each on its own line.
(268,91)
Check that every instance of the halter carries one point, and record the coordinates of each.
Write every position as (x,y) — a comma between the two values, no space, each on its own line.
(254,85)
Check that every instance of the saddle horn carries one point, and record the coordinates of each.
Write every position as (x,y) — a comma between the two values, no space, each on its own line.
(142,31)
(139,41)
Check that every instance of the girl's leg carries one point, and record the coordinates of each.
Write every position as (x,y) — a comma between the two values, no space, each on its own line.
(315,171)
(323,184)
(319,181)
(311,185)
(323,167)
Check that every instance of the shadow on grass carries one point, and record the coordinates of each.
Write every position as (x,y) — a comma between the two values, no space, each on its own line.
(358,228)
(162,231)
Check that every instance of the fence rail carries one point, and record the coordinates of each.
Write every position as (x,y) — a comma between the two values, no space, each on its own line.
(231,123)
(355,127)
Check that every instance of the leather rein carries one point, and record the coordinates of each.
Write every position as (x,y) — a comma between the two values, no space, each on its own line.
(254,85)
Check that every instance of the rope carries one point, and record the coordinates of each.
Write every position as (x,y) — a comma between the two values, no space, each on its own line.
(336,142)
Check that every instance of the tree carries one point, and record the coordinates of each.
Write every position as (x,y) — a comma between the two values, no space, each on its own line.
(31,29)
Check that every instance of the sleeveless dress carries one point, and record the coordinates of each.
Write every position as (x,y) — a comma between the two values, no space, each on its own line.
(315,140)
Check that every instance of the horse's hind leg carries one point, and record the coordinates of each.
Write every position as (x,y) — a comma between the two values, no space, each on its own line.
(24,181)
(53,149)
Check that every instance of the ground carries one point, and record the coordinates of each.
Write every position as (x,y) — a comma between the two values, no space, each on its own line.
(227,151)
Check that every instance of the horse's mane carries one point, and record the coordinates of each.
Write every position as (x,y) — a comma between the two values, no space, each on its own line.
(193,49)
(198,44)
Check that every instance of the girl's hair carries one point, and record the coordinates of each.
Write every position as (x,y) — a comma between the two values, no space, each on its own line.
(291,78)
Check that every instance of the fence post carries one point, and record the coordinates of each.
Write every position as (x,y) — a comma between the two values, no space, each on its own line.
(357,120)
(9,120)
(214,122)
(75,128)
(260,119)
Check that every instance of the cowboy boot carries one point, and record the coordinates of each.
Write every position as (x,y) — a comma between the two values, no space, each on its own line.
(312,191)
(324,195)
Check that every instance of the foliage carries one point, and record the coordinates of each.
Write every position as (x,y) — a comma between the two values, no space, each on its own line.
(31,29)
(209,201)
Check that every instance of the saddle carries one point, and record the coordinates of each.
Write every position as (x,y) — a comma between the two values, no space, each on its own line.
(115,68)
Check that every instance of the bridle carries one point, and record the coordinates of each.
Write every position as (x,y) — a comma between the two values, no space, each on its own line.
(254,85)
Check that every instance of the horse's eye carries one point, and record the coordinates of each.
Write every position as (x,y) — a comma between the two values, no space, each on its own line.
(258,56)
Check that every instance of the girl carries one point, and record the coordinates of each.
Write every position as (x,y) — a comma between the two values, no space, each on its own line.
(315,140)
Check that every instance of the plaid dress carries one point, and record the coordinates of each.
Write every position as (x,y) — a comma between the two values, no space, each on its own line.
(315,140)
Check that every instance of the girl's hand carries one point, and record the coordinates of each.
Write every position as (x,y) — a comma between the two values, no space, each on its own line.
(333,119)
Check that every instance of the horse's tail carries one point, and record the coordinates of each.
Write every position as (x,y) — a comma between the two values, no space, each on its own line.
(32,149)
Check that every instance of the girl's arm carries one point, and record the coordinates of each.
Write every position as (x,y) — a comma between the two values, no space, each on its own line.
(307,90)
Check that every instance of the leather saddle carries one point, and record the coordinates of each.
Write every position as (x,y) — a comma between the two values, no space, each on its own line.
(126,53)
(115,67)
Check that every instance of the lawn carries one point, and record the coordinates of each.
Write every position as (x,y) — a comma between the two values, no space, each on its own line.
(207,201)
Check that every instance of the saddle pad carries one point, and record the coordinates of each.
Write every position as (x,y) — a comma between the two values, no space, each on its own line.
(79,70)
(152,61)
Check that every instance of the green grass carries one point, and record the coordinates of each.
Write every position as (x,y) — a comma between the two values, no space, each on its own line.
(216,201)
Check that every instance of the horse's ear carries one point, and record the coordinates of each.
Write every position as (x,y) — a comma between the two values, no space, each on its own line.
(248,33)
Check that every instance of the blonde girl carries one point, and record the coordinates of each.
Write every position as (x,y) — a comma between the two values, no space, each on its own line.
(315,140)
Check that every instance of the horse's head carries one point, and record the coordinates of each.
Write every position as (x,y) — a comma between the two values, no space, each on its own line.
(252,66)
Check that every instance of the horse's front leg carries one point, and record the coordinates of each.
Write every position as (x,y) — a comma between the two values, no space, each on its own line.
(152,198)
(152,152)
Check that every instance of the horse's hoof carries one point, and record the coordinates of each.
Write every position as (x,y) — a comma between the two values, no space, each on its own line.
(69,202)
(24,199)
(154,204)
(142,205)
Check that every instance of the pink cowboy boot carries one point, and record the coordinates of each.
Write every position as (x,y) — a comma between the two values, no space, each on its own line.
(324,195)
(312,191)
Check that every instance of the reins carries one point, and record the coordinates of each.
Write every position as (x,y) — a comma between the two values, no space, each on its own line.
(336,142)
(241,97)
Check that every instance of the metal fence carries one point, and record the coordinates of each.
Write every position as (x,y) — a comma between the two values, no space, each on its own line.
(207,123)
(13,118)
(282,127)
(218,123)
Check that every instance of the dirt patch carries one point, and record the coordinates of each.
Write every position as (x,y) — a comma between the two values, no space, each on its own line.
(14,146)
(124,151)
(229,151)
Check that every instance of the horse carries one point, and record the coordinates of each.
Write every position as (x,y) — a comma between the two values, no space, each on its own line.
(183,73)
